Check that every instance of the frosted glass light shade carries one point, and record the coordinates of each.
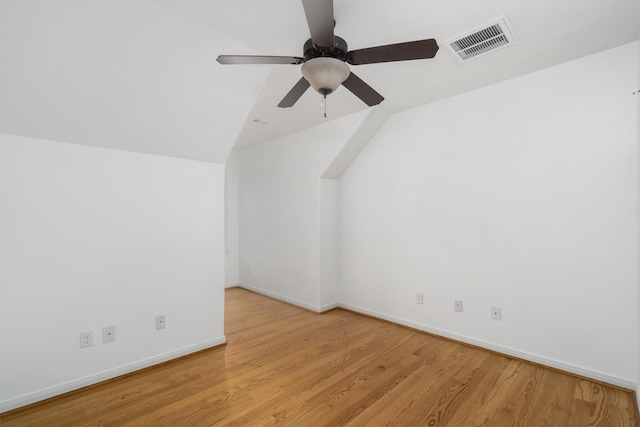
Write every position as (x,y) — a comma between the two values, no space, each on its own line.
(325,74)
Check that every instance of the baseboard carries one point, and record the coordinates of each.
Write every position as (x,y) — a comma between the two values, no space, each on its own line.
(328,307)
(47,393)
(542,360)
(292,301)
(552,363)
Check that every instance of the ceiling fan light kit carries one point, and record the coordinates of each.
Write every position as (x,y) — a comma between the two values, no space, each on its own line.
(325,58)
(325,74)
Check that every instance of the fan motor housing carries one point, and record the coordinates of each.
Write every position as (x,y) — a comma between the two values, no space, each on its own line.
(339,50)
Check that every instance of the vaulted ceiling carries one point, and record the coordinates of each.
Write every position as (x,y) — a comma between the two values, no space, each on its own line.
(141,75)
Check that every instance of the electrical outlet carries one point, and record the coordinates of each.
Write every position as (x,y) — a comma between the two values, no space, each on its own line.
(496,313)
(457,305)
(108,334)
(420,298)
(86,339)
(161,322)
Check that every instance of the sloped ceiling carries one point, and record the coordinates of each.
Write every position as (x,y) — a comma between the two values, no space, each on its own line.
(141,75)
(129,75)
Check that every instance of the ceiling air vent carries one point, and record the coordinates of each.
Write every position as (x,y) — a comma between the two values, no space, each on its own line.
(495,35)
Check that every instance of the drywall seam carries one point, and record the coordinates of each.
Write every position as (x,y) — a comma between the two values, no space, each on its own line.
(49,392)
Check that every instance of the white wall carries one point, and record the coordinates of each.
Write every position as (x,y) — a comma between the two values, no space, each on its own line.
(91,237)
(282,212)
(328,290)
(522,195)
(638,354)
(232,220)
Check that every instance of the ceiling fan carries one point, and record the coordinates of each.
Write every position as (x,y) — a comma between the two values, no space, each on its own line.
(325,58)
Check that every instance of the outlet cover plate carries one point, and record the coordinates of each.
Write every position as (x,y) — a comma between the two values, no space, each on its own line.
(419,298)
(108,334)
(161,322)
(86,339)
(496,313)
(457,305)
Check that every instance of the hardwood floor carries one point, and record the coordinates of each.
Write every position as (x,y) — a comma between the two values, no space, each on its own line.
(284,365)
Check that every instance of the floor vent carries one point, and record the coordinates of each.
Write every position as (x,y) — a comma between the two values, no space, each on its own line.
(495,35)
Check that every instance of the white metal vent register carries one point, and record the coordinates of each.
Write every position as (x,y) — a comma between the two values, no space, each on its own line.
(478,42)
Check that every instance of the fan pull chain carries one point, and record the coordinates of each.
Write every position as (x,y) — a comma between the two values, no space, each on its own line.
(324,104)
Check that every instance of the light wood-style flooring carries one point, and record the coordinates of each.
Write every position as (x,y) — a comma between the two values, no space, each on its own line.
(287,366)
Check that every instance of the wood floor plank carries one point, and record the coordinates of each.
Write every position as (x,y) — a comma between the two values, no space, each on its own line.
(283,365)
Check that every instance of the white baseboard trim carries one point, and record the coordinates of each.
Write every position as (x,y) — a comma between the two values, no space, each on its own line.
(57,390)
(328,307)
(542,360)
(292,301)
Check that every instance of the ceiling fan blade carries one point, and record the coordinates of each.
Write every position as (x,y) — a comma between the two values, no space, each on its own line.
(294,94)
(319,15)
(419,49)
(257,59)
(362,90)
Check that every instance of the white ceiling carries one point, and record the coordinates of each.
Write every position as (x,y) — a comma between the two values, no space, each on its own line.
(140,75)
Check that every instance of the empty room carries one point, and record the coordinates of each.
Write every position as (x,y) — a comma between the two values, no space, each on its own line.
(319,213)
